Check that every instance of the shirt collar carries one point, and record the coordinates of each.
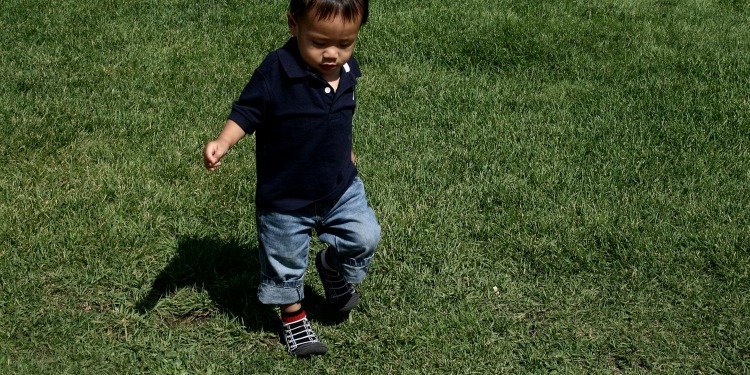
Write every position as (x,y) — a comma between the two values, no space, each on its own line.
(295,67)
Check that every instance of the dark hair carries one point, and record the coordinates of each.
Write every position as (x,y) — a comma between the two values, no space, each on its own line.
(349,10)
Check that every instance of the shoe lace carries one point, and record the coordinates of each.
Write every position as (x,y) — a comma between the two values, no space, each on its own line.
(336,285)
(299,333)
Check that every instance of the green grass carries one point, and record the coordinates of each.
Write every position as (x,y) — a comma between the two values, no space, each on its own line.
(563,186)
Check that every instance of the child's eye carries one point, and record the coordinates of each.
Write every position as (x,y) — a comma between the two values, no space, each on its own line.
(345,45)
(318,44)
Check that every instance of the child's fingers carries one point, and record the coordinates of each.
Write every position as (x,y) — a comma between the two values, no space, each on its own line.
(212,167)
(211,157)
(211,164)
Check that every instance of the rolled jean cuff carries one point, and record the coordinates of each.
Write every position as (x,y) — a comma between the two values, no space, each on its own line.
(271,293)
(354,270)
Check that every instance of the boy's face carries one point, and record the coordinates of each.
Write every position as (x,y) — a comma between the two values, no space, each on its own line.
(325,45)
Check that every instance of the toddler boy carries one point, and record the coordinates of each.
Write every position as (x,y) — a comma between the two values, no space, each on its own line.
(299,103)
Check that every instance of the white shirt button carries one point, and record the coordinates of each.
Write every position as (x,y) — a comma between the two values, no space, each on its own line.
(328,90)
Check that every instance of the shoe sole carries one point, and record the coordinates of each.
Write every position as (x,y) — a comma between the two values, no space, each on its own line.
(306,350)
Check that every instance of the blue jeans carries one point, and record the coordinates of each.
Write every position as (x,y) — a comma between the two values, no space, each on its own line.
(349,226)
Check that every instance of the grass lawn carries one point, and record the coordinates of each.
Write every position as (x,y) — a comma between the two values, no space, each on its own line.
(563,187)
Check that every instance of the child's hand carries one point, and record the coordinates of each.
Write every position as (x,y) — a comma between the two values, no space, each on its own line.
(216,150)
(213,153)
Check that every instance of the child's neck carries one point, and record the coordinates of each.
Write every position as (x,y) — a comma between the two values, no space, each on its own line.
(335,83)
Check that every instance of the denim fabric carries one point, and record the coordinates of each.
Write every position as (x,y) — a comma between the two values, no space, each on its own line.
(349,226)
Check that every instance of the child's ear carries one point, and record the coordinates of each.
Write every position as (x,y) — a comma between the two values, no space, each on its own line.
(292,24)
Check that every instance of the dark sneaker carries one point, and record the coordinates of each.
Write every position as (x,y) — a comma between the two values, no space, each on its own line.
(301,340)
(340,295)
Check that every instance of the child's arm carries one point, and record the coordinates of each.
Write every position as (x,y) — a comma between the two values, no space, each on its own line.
(216,149)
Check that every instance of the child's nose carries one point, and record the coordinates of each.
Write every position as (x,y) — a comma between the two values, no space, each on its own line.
(330,53)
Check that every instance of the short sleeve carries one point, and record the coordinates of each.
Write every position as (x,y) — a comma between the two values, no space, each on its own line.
(249,109)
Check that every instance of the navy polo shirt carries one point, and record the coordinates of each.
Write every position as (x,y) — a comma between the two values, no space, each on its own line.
(303,130)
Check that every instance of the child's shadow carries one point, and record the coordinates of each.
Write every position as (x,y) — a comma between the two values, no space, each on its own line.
(228,272)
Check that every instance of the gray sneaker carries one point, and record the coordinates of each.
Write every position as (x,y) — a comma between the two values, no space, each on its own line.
(340,294)
(301,340)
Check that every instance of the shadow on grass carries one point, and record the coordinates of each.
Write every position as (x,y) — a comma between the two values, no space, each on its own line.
(228,272)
